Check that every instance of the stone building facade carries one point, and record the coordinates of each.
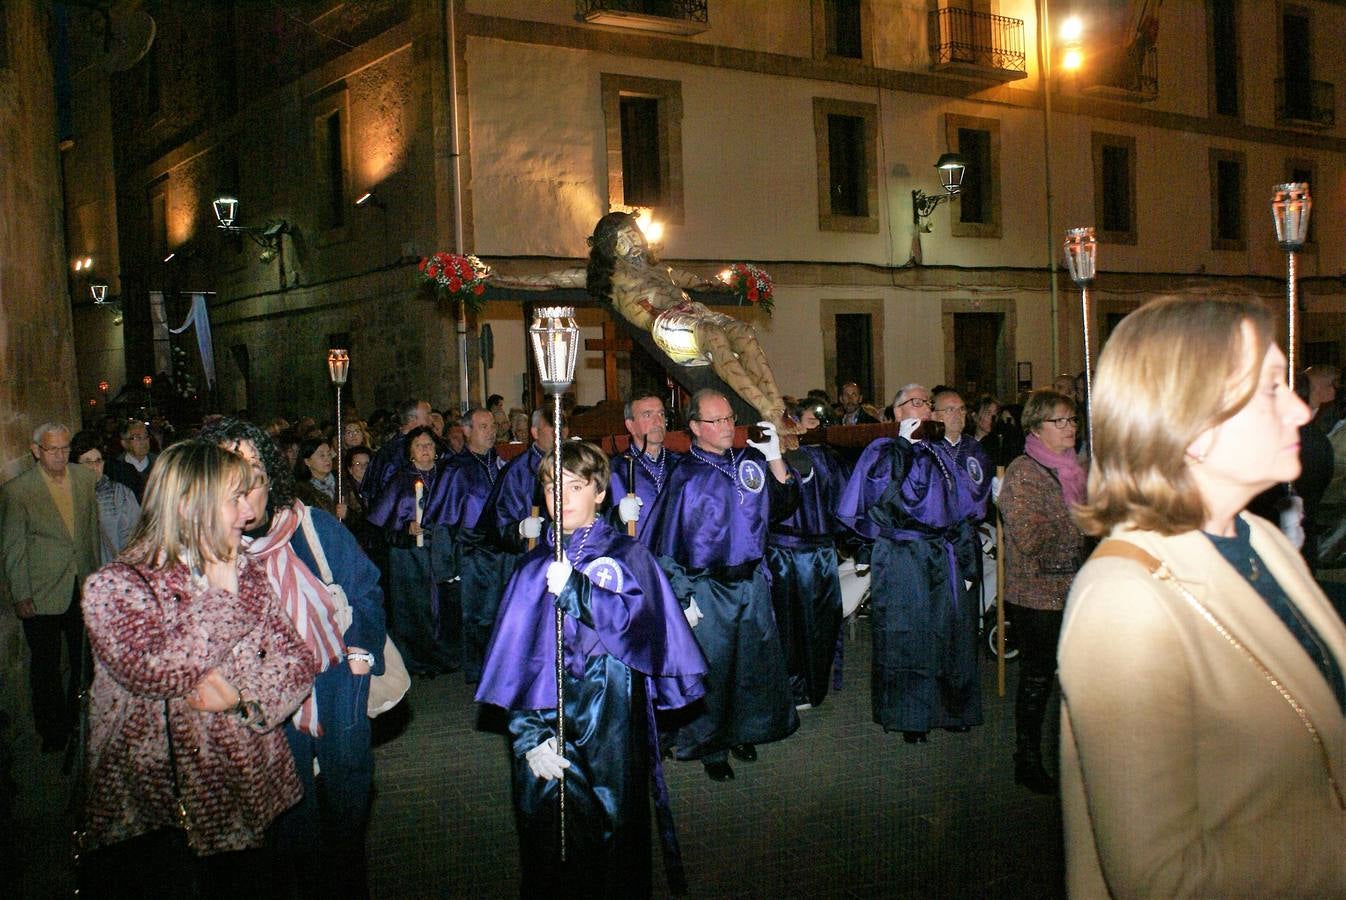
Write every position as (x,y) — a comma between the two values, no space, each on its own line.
(787,134)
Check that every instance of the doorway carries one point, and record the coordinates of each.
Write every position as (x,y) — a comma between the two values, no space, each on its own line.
(979,354)
(855,352)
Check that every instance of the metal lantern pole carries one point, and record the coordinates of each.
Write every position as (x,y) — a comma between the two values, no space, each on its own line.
(555,338)
(1290,207)
(1082,260)
(338,367)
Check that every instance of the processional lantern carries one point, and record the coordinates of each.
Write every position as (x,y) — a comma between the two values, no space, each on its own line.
(1082,261)
(338,367)
(1290,207)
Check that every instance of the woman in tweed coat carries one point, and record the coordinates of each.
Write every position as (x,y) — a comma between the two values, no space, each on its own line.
(1043,551)
(195,668)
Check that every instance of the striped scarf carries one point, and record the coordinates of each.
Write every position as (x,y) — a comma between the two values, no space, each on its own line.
(310,606)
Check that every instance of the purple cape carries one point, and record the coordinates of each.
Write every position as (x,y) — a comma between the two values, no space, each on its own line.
(636,619)
(395,506)
(713,513)
(466,493)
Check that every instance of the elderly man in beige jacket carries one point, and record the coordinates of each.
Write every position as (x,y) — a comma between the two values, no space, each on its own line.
(49,545)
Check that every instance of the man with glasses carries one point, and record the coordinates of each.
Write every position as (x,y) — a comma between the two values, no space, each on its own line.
(132,468)
(708,528)
(50,544)
(645,459)
(918,500)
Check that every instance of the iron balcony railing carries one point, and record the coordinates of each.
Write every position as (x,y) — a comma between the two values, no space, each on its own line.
(960,37)
(1310,102)
(688,10)
(1131,74)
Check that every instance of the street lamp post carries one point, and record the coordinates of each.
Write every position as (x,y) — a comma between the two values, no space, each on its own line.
(1082,260)
(556,342)
(1290,207)
(338,367)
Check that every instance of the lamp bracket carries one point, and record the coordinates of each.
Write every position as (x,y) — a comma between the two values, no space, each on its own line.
(923,206)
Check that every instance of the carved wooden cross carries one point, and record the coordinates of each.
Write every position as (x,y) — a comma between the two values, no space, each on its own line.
(611,345)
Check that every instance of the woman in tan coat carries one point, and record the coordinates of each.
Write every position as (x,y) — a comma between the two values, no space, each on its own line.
(1203,740)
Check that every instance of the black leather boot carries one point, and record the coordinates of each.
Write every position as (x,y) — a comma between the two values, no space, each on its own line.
(1030,707)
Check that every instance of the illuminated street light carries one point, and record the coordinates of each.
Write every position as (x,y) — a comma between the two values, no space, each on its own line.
(1072,59)
(1072,29)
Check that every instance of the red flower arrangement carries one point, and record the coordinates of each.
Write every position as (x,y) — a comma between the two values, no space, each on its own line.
(456,277)
(750,284)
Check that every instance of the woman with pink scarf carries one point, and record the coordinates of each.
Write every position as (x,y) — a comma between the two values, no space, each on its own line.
(1043,551)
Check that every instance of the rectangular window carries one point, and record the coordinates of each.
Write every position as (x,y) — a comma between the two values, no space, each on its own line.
(1114,157)
(643,122)
(642,183)
(335,173)
(158,237)
(854,351)
(330,165)
(1297,65)
(845,136)
(976,208)
(844,28)
(1224,55)
(846,165)
(974,145)
(1227,188)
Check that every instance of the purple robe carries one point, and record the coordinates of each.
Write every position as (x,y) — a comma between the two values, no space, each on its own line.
(466,495)
(651,478)
(635,618)
(515,495)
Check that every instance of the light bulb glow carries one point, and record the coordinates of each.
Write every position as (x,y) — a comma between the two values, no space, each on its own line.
(1072,29)
(1072,60)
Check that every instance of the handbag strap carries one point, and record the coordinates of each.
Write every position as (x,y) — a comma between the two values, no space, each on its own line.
(315,545)
(1127,550)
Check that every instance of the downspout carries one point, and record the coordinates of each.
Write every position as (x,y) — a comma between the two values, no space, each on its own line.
(454,154)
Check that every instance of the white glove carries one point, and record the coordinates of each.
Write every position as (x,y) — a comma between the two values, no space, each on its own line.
(531,528)
(558,573)
(1292,522)
(995,488)
(628,509)
(693,613)
(770,445)
(907,428)
(545,762)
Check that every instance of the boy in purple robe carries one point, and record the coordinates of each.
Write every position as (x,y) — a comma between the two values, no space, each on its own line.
(628,653)
(918,500)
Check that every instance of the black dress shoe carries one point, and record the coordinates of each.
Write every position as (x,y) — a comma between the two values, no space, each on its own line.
(958,729)
(719,771)
(745,752)
(914,737)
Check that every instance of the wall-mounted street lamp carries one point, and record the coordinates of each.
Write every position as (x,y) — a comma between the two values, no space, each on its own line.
(267,237)
(951,168)
(101,298)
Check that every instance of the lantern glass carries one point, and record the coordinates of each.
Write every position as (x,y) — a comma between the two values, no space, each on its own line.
(226,211)
(338,365)
(1290,207)
(951,169)
(556,343)
(1081,255)
(99,292)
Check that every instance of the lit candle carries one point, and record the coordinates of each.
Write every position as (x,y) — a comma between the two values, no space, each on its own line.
(420,499)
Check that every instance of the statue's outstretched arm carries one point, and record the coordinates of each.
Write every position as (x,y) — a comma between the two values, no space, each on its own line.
(692,281)
(561,278)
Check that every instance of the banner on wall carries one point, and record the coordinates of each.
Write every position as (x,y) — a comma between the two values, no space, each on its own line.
(199,316)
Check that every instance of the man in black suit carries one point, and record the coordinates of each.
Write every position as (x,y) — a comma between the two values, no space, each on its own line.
(854,411)
(132,468)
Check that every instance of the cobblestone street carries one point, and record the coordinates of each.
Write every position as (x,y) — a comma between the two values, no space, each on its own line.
(839,809)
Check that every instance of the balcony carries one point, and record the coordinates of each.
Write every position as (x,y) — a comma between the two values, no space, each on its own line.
(664,16)
(1305,103)
(1131,73)
(977,45)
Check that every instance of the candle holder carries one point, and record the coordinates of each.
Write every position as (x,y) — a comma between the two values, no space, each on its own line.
(338,368)
(1082,260)
(556,342)
(1290,208)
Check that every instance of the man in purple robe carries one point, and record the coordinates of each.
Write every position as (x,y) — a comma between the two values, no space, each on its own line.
(628,653)
(640,474)
(479,565)
(708,529)
(918,499)
(389,458)
(515,504)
